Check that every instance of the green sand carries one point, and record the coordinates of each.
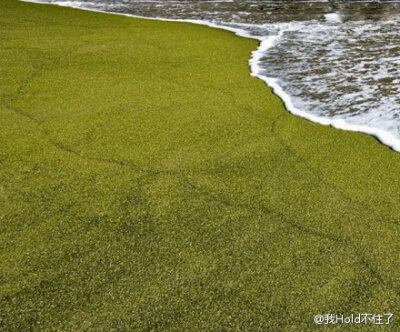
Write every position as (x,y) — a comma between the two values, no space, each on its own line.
(148,183)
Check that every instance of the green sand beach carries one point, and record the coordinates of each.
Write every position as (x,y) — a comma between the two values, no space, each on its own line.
(149,183)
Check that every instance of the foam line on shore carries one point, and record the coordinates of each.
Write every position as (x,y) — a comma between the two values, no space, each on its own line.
(383,136)
(266,42)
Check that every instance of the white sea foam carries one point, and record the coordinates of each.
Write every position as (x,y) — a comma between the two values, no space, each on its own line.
(329,80)
(318,70)
(334,17)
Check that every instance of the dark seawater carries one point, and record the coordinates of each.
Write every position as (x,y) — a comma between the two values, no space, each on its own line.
(335,63)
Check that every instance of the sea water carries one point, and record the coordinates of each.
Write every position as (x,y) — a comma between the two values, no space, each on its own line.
(330,62)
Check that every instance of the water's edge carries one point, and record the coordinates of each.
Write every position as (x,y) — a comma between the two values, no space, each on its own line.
(381,135)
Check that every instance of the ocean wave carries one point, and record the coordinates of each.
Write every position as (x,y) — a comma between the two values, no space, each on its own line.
(317,67)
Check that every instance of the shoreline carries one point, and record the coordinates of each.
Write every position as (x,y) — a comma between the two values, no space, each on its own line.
(384,137)
(148,182)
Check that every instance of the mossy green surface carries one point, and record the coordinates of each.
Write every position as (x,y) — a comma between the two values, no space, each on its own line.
(148,183)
